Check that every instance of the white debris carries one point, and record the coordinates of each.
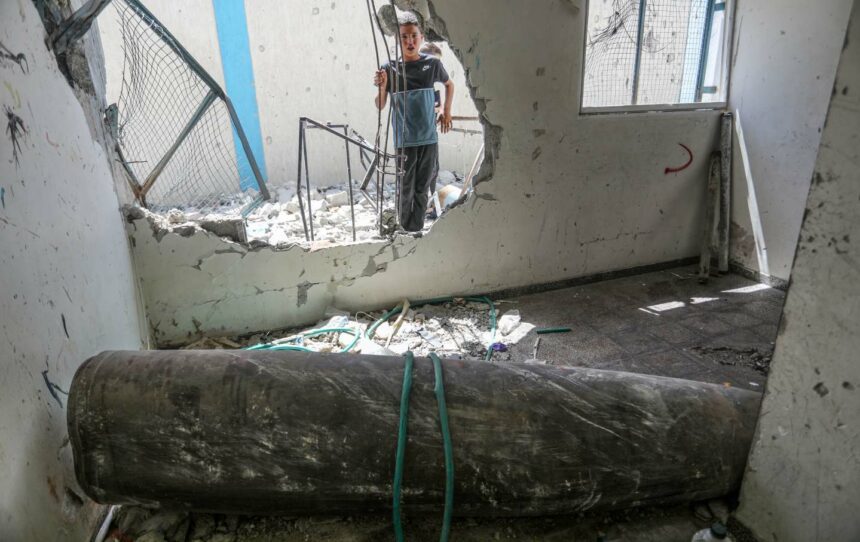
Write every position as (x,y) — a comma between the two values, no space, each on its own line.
(278,237)
(509,321)
(279,221)
(337,198)
(370,348)
(383,331)
(175,216)
(285,193)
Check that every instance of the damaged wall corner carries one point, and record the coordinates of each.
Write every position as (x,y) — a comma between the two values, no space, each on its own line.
(67,290)
(801,482)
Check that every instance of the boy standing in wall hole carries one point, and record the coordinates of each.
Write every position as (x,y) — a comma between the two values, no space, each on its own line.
(414,117)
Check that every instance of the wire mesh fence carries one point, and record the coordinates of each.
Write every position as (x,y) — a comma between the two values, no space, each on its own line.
(177,135)
(645,52)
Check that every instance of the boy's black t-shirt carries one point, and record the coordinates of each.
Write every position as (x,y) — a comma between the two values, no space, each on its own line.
(413,101)
(421,73)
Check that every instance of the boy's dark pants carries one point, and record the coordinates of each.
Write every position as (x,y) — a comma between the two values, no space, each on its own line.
(419,170)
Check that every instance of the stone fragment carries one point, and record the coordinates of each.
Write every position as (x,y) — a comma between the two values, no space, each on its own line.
(175,216)
(337,198)
(278,237)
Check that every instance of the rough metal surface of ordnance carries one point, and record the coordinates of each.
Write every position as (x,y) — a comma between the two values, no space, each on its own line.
(305,433)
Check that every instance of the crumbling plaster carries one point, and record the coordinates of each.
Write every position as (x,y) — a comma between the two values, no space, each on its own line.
(803,478)
(67,289)
(569,196)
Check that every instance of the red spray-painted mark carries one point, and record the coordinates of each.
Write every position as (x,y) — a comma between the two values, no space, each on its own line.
(669,170)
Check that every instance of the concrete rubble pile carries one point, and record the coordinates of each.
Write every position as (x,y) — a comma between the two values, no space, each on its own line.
(458,329)
(279,222)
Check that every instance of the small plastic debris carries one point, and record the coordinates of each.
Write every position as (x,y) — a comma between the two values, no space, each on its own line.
(499,347)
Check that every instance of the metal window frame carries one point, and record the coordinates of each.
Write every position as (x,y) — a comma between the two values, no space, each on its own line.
(728,40)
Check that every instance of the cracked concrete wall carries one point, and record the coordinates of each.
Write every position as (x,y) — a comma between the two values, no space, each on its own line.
(570,196)
(803,478)
(782,69)
(66,287)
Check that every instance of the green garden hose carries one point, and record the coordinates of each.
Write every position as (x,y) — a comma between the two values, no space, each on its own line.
(312,333)
(401,444)
(439,390)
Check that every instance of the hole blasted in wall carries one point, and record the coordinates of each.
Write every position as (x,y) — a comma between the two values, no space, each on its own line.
(260,229)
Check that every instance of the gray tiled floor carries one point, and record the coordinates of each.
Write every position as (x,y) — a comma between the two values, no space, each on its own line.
(663,323)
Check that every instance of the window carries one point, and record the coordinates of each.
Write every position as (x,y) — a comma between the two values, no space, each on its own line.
(654,54)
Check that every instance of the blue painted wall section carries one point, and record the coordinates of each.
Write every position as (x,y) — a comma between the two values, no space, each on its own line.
(239,79)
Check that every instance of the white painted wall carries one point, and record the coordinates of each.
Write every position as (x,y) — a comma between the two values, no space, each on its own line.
(571,195)
(803,479)
(64,258)
(784,61)
(312,58)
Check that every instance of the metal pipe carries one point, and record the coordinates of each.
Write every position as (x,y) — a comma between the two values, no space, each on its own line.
(349,181)
(311,123)
(710,206)
(637,62)
(703,54)
(370,171)
(725,191)
(307,177)
(249,154)
(192,122)
(299,182)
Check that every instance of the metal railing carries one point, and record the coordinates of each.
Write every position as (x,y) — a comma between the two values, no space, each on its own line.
(369,162)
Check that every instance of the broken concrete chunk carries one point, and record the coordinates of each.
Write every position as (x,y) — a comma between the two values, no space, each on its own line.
(509,321)
(292,207)
(185,230)
(370,348)
(231,227)
(337,198)
(279,237)
(268,210)
(133,212)
(285,194)
(383,331)
(319,205)
(175,216)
